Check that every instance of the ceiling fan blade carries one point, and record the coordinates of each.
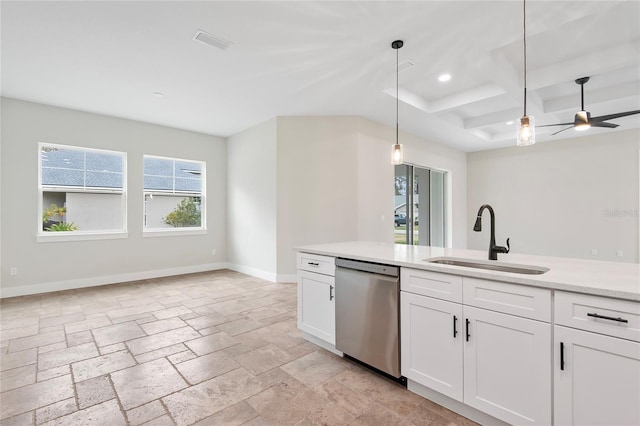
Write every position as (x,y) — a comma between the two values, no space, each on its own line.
(560,131)
(603,124)
(557,124)
(613,116)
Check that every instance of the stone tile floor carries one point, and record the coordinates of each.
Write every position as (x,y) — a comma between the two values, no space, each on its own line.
(216,348)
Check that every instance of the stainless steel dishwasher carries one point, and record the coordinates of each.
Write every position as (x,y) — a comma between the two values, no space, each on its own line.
(367,313)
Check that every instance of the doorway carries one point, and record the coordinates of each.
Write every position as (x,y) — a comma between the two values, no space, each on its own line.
(419,214)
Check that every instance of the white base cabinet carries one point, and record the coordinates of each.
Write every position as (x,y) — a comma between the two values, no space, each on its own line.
(596,361)
(316,300)
(317,310)
(497,363)
(507,366)
(429,324)
(597,379)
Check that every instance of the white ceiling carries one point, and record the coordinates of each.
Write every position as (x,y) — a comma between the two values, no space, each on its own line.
(328,58)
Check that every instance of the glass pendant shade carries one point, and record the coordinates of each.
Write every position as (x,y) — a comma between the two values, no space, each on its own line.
(396,154)
(527,131)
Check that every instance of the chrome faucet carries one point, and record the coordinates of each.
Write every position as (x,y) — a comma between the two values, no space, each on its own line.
(493,248)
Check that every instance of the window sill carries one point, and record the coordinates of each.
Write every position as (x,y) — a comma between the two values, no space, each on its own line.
(152,233)
(51,237)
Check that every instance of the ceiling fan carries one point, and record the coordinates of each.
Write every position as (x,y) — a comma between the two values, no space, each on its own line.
(583,119)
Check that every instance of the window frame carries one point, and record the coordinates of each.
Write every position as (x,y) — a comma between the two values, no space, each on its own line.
(181,231)
(80,235)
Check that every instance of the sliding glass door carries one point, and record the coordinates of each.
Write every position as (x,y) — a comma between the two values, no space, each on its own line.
(419,206)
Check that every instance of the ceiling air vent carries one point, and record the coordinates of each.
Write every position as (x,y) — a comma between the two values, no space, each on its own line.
(211,40)
(405,65)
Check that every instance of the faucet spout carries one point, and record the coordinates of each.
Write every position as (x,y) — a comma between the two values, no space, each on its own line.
(493,248)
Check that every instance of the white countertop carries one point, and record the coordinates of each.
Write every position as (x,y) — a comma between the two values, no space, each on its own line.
(610,279)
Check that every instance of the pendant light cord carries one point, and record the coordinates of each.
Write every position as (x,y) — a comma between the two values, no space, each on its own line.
(524,38)
(397,99)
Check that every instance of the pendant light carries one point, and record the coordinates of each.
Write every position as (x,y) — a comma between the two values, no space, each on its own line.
(527,132)
(396,152)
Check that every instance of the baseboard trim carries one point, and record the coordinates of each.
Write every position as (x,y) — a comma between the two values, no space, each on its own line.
(287,278)
(254,272)
(454,405)
(106,279)
(319,342)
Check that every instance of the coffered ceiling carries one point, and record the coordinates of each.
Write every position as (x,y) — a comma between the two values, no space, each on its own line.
(328,58)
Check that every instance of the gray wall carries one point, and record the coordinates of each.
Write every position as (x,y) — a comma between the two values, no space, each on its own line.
(78,263)
(336,182)
(251,200)
(560,198)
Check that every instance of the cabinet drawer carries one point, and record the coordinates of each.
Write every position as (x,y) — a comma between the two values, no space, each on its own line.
(432,284)
(317,263)
(587,312)
(523,301)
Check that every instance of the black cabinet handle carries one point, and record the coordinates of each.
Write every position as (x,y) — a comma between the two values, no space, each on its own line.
(313,264)
(594,315)
(330,292)
(455,331)
(467,325)
(562,356)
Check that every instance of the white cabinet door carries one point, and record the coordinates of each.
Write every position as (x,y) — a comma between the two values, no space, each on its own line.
(316,305)
(507,366)
(431,349)
(596,379)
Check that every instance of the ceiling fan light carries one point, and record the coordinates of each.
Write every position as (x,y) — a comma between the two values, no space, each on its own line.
(582,120)
(397,154)
(526,134)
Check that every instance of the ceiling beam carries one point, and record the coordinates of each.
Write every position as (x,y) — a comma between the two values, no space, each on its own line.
(591,97)
(598,62)
(493,118)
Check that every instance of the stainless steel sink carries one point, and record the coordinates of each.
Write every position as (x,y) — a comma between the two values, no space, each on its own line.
(489,265)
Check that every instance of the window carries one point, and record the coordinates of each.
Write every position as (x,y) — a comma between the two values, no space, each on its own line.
(82,191)
(425,223)
(174,194)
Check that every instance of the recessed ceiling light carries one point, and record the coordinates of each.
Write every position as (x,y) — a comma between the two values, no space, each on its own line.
(443,78)
(158,94)
(508,123)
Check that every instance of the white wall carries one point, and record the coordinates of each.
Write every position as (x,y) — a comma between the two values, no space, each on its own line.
(335,182)
(560,198)
(56,265)
(317,184)
(376,180)
(251,200)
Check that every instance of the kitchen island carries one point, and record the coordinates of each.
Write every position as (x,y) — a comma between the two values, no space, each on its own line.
(500,346)
(609,279)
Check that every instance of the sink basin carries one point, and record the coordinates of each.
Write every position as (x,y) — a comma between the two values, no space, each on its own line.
(489,265)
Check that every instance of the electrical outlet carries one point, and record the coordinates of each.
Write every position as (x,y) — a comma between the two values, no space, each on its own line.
(594,252)
(13,271)
(213,252)
(619,253)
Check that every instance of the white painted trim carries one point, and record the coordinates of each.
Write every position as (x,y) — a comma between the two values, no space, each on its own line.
(106,279)
(454,405)
(287,278)
(319,342)
(147,233)
(53,237)
(258,273)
